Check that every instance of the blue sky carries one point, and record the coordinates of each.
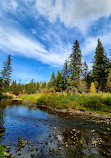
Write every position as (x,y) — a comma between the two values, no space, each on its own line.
(39,34)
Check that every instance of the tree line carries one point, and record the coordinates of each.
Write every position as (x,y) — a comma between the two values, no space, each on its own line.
(74,77)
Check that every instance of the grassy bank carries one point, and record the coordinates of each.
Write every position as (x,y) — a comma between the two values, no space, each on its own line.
(1,152)
(92,102)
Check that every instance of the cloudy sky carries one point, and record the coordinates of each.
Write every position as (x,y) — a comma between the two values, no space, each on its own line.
(39,34)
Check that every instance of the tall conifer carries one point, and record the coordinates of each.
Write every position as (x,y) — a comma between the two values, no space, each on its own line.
(100,66)
(75,66)
(6,73)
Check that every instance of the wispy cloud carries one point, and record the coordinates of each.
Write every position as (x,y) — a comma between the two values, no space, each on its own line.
(14,41)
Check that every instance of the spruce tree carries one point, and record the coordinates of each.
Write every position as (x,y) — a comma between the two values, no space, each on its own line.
(65,74)
(59,82)
(85,71)
(100,67)
(0,88)
(85,74)
(53,80)
(6,73)
(89,79)
(14,88)
(75,66)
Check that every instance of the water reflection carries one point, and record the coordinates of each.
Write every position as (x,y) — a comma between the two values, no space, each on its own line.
(30,131)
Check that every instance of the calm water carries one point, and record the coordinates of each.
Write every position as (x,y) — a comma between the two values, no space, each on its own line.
(51,135)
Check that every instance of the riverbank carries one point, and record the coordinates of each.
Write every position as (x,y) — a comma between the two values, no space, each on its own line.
(83,102)
(96,107)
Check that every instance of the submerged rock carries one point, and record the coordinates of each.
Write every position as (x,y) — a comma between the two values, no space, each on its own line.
(22,143)
(19,153)
(32,155)
(2,130)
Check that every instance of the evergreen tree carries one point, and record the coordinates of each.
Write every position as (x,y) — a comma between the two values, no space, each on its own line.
(14,88)
(53,80)
(65,74)
(85,71)
(38,86)
(30,88)
(0,88)
(6,73)
(59,82)
(75,65)
(43,86)
(109,81)
(100,67)
(89,79)
(85,74)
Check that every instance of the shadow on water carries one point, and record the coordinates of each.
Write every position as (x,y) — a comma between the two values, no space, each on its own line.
(42,133)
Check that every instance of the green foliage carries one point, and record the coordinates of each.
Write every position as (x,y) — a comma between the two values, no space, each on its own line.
(100,67)
(75,66)
(44,85)
(53,80)
(1,152)
(109,81)
(93,102)
(59,82)
(65,74)
(30,88)
(89,79)
(15,88)
(86,75)
(1,88)
(6,73)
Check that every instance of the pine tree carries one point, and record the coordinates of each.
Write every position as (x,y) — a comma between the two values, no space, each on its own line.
(75,65)
(100,67)
(65,74)
(6,73)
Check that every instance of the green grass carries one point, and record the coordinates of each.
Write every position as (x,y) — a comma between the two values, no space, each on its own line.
(1,152)
(92,102)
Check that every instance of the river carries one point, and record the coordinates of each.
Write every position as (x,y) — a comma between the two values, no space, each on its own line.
(34,132)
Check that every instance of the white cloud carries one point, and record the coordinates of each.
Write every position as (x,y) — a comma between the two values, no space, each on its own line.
(90,44)
(74,12)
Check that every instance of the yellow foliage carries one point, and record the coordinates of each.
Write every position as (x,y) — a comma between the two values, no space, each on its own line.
(51,89)
(92,88)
